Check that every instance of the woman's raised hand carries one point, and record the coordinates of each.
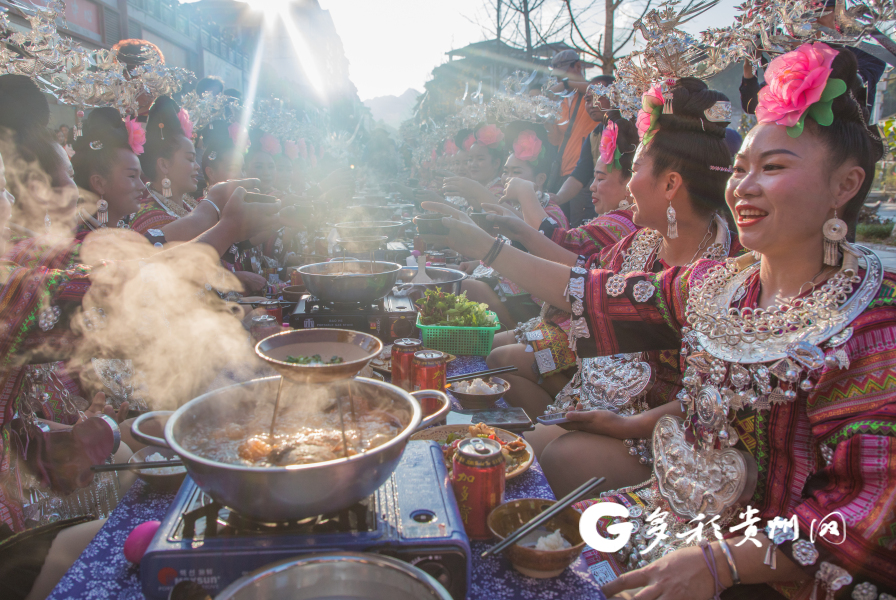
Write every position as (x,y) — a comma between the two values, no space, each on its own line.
(99,407)
(248,219)
(519,190)
(220,193)
(509,223)
(474,192)
(465,236)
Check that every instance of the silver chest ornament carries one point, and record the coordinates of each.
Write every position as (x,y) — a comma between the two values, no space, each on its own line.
(732,364)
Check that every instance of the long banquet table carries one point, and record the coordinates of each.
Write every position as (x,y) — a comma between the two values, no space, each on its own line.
(102,572)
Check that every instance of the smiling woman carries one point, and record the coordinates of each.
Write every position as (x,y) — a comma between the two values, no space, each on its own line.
(784,364)
(107,170)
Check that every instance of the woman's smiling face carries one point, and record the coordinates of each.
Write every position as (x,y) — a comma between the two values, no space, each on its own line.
(784,189)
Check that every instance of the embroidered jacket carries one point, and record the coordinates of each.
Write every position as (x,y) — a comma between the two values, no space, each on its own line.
(833,449)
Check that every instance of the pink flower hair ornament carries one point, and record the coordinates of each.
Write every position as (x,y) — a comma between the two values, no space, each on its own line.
(303,148)
(651,109)
(270,144)
(468,142)
(136,135)
(451,148)
(490,136)
(185,123)
(609,153)
(291,149)
(798,84)
(528,146)
(236,131)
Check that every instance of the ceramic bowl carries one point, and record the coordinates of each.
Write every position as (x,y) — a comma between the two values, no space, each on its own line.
(158,481)
(539,564)
(477,401)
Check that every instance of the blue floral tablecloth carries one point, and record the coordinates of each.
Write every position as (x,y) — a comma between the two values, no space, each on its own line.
(102,572)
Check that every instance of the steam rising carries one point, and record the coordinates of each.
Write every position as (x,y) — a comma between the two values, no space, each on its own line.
(163,315)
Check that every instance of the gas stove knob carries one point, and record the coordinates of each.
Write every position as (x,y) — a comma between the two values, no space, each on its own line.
(402,328)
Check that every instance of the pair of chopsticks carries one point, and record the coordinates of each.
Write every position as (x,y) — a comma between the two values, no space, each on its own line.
(480,374)
(136,466)
(546,516)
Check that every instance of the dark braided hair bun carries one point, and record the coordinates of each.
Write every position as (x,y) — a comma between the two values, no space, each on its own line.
(103,129)
(690,98)
(689,144)
(849,137)
(161,142)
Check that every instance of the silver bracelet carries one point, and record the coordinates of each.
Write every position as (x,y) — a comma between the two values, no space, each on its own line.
(735,578)
(215,206)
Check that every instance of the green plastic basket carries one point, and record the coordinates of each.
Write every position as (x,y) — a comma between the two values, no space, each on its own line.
(471,341)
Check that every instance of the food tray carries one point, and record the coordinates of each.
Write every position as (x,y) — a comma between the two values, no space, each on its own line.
(472,341)
(440,434)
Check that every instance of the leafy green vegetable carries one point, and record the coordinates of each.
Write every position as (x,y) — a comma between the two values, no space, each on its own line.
(441,308)
(452,437)
(313,360)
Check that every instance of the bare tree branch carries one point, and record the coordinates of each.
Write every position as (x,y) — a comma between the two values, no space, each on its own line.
(631,32)
(575,27)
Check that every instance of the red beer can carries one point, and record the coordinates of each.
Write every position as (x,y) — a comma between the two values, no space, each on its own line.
(403,362)
(264,326)
(477,476)
(273,308)
(429,370)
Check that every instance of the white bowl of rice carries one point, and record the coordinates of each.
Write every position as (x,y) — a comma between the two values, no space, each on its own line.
(163,478)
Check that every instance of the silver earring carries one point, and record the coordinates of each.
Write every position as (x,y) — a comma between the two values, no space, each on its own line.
(624,204)
(47,222)
(834,231)
(102,214)
(166,188)
(672,230)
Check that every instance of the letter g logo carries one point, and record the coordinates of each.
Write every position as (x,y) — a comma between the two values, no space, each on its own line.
(588,527)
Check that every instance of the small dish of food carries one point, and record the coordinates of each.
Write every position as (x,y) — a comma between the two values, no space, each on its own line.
(294,293)
(383,361)
(548,550)
(477,393)
(161,479)
(518,454)
(318,355)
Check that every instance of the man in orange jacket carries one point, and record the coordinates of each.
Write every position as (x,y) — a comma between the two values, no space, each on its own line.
(576,125)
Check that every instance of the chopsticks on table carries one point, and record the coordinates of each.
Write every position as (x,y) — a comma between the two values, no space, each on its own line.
(480,374)
(545,516)
(136,466)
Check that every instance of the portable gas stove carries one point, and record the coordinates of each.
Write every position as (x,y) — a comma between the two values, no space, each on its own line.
(389,318)
(412,517)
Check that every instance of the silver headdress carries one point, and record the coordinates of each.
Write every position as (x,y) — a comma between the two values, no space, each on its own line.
(514,103)
(669,55)
(82,78)
(209,108)
(779,26)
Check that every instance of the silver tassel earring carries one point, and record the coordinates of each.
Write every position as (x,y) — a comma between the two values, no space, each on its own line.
(166,188)
(102,211)
(672,231)
(834,231)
